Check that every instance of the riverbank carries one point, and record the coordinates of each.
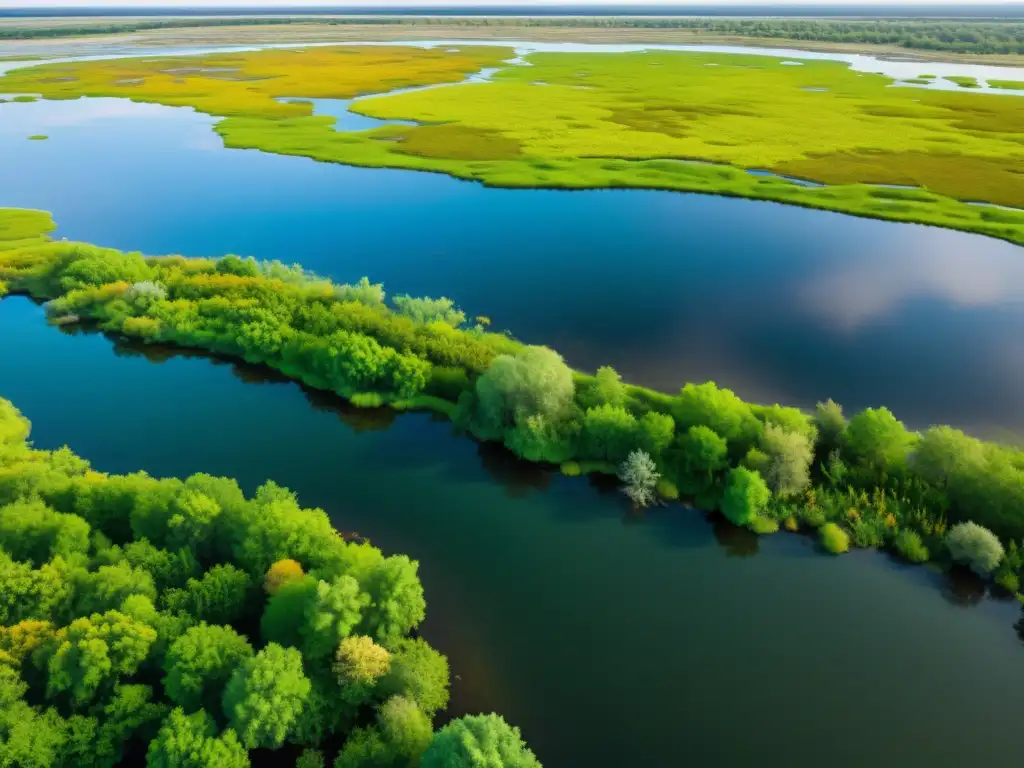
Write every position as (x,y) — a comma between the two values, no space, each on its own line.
(764,466)
(718,121)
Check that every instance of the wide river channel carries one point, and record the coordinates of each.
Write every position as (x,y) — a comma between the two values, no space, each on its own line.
(611,640)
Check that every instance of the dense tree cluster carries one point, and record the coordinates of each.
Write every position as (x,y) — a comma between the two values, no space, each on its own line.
(762,466)
(179,623)
(961,35)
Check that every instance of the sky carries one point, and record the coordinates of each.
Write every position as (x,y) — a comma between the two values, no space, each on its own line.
(384,4)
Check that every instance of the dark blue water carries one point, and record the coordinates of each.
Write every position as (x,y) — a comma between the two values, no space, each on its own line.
(611,640)
(779,303)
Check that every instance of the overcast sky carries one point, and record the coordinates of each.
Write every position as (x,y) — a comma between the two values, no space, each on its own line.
(467,3)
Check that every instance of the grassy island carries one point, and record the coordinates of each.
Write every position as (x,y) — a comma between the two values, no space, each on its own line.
(932,495)
(682,121)
(179,622)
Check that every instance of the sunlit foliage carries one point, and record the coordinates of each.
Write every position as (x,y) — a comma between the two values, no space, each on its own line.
(109,649)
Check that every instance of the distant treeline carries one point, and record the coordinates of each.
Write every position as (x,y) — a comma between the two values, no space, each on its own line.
(937,35)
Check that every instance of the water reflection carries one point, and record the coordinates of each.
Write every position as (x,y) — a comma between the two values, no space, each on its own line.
(871,285)
(737,542)
(963,588)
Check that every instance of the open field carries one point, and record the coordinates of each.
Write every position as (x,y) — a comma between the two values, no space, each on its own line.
(500,29)
(610,120)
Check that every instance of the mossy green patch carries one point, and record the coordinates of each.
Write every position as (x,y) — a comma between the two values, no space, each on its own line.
(38,137)
(23,99)
(1010,85)
(456,142)
(963,82)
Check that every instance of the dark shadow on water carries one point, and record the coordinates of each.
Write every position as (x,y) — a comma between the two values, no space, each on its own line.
(963,588)
(517,477)
(736,541)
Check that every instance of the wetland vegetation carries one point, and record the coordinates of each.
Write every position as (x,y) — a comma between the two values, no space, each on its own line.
(662,120)
(877,484)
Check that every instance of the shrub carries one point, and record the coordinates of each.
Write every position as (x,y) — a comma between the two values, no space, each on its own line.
(367,400)
(910,546)
(834,539)
(974,546)
(571,469)
(791,524)
(667,489)
(763,525)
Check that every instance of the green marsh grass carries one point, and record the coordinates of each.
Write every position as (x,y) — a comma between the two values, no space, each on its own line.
(681,121)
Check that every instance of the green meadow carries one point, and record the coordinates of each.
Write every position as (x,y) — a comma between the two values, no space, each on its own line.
(664,120)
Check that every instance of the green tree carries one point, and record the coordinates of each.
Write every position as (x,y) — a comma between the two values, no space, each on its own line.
(94,653)
(609,433)
(406,729)
(397,605)
(427,310)
(108,586)
(831,425)
(479,741)
(333,613)
(191,741)
(310,758)
(31,531)
(200,663)
(704,454)
(220,597)
(655,432)
(129,715)
(417,672)
(746,496)
(975,546)
(789,460)
(29,738)
(876,438)
(720,410)
(535,382)
(265,696)
(285,613)
(358,664)
(606,389)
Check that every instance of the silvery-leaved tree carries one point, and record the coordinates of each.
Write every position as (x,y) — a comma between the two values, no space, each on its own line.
(640,477)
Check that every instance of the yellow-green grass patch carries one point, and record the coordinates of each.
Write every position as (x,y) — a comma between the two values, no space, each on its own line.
(1010,85)
(661,120)
(963,82)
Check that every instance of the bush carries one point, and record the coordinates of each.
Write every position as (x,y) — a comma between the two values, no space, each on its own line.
(571,469)
(834,539)
(367,400)
(763,525)
(910,546)
(667,489)
(974,546)
(791,524)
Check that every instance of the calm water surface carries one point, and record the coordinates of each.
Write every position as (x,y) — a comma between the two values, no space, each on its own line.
(779,303)
(611,641)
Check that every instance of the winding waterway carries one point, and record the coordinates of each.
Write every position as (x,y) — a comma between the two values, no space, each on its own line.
(779,303)
(611,640)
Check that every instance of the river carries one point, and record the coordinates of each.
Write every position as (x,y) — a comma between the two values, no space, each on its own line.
(612,640)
